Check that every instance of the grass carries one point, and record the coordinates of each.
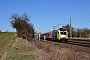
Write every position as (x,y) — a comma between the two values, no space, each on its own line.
(22,57)
(21,54)
(7,39)
(1,33)
(21,50)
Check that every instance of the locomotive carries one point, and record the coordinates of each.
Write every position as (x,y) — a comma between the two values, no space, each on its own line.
(61,35)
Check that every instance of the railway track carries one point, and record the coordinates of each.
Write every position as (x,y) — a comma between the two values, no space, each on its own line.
(76,45)
(78,42)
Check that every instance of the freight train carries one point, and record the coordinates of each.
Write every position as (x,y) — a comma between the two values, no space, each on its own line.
(61,35)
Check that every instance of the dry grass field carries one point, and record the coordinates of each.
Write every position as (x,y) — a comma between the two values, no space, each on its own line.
(14,48)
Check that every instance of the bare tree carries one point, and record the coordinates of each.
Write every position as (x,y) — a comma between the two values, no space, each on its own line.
(84,32)
(22,25)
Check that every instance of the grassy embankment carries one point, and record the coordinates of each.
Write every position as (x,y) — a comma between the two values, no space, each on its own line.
(7,52)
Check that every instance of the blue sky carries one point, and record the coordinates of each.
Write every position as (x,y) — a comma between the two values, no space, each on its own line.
(46,13)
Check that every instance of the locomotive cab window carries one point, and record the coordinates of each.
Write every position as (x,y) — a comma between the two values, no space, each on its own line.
(64,33)
(58,32)
(61,32)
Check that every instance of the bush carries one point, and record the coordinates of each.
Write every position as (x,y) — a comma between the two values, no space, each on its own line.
(22,25)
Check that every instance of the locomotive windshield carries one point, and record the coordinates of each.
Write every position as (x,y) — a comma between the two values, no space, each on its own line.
(63,32)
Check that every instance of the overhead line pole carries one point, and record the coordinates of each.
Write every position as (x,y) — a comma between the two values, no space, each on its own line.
(39,34)
(70,28)
(58,26)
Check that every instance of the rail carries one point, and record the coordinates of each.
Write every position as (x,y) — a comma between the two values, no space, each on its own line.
(81,39)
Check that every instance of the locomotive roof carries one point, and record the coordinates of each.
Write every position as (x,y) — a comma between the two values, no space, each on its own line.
(61,29)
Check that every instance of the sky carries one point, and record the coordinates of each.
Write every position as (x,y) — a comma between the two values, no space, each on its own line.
(46,13)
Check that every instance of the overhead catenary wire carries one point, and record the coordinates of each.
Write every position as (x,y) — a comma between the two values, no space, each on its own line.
(81,17)
(75,8)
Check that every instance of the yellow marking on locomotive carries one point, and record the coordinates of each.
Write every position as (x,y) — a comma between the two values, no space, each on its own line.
(66,34)
(50,35)
(58,34)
